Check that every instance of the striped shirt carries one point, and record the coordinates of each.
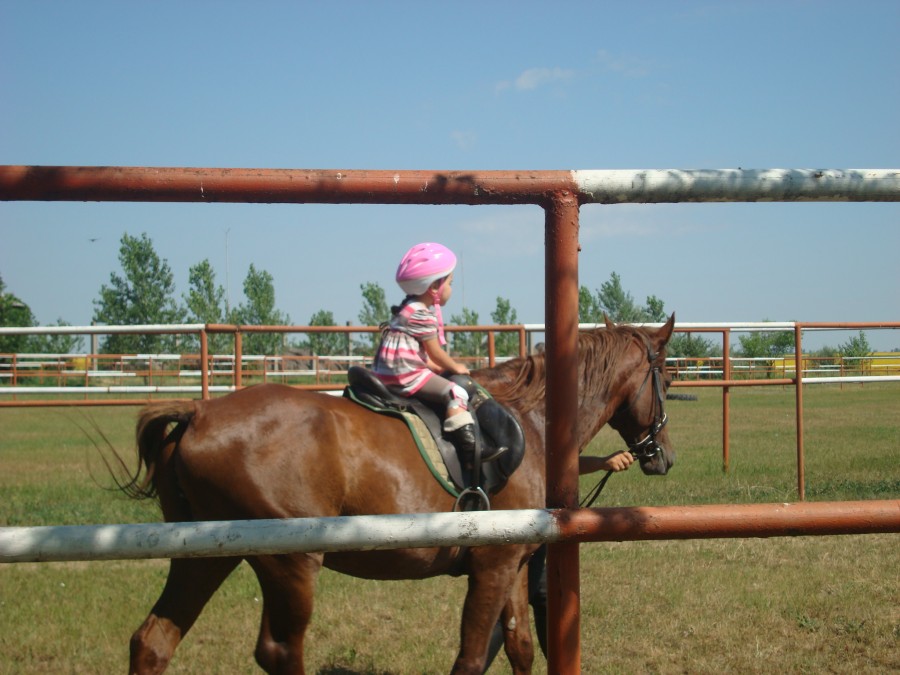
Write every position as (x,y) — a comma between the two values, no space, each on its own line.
(401,361)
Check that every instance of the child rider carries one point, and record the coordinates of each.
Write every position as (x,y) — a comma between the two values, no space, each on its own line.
(411,354)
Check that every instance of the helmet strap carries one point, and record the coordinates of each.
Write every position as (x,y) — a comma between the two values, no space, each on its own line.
(436,296)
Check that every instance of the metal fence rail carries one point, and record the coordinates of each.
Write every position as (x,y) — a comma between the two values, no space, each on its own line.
(478,528)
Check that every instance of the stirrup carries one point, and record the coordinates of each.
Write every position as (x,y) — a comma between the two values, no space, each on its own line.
(478,492)
(490,458)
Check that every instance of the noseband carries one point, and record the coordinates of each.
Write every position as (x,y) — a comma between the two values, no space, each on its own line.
(646,448)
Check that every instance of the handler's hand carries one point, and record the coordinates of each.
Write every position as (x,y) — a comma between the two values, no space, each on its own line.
(619,461)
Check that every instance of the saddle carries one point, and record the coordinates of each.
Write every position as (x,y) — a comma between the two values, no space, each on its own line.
(500,438)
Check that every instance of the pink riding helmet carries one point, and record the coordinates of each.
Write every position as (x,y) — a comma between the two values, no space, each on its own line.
(422,265)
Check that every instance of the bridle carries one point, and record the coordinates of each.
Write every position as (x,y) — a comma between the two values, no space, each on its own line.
(648,447)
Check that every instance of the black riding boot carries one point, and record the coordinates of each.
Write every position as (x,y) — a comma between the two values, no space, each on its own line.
(472,497)
(463,440)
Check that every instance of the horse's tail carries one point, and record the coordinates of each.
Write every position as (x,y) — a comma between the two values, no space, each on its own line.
(159,428)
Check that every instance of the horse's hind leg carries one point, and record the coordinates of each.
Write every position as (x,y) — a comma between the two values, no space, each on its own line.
(189,586)
(495,584)
(516,629)
(288,583)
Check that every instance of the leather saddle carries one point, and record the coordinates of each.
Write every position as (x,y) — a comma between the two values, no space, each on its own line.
(502,442)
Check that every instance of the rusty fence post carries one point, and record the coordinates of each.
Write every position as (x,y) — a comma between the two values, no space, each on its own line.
(726,401)
(204,363)
(561,301)
(798,372)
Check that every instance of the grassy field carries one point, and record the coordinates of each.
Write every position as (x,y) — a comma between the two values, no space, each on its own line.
(794,605)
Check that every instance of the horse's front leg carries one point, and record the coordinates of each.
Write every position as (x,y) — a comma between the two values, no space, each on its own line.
(492,582)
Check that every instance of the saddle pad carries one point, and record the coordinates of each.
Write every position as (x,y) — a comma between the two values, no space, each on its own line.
(422,436)
(429,451)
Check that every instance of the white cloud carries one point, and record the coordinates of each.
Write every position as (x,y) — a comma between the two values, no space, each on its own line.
(536,77)
(629,66)
(464,140)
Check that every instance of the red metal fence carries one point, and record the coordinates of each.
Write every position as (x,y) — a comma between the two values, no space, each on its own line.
(560,193)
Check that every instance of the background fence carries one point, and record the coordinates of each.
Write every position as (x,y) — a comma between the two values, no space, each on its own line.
(102,373)
(118,379)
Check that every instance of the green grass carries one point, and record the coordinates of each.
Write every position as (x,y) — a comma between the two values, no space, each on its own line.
(851,448)
(793,605)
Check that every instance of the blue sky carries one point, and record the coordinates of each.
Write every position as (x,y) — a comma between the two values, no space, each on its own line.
(461,86)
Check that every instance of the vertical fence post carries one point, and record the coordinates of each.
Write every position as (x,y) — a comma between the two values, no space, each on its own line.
(561,301)
(492,349)
(798,372)
(726,400)
(204,363)
(238,359)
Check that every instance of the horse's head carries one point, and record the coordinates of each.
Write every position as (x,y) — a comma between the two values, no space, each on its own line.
(641,418)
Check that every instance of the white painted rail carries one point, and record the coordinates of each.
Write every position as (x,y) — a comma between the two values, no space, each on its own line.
(258,537)
(478,528)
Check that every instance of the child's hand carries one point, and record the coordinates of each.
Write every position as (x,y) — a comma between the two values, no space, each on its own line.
(460,369)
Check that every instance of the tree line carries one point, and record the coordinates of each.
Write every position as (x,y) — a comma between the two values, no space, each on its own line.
(143,292)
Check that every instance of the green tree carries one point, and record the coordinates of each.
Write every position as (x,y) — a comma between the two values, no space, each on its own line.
(655,309)
(857,346)
(375,311)
(505,344)
(13,313)
(259,310)
(144,294)
(764,344)
(467,343)
(857,349)
(325,344)
(691,346)
(63,343)
(205,303)
(589,310)
(617,304)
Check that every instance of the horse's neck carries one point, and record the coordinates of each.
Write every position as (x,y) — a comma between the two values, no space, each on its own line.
(588,423)
(593,414)
(596,407)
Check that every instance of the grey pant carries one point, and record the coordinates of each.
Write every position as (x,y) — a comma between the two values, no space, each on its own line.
(441,390)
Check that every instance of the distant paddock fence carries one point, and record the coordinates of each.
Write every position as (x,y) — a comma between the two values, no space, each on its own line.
(43,380)
(204,373)
(200,373)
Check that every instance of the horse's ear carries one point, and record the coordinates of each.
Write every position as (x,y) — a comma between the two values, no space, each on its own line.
(665,333)
(609,324)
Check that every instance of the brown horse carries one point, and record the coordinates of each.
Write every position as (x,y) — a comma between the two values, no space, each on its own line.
(271,451)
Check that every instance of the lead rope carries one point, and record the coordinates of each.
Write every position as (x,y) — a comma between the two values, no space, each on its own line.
(595,492)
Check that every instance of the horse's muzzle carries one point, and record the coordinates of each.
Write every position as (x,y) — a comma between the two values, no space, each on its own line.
(656,462)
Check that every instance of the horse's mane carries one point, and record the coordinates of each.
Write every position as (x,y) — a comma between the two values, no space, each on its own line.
(522,381)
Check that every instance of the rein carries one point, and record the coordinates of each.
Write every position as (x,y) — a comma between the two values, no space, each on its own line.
(647,447)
